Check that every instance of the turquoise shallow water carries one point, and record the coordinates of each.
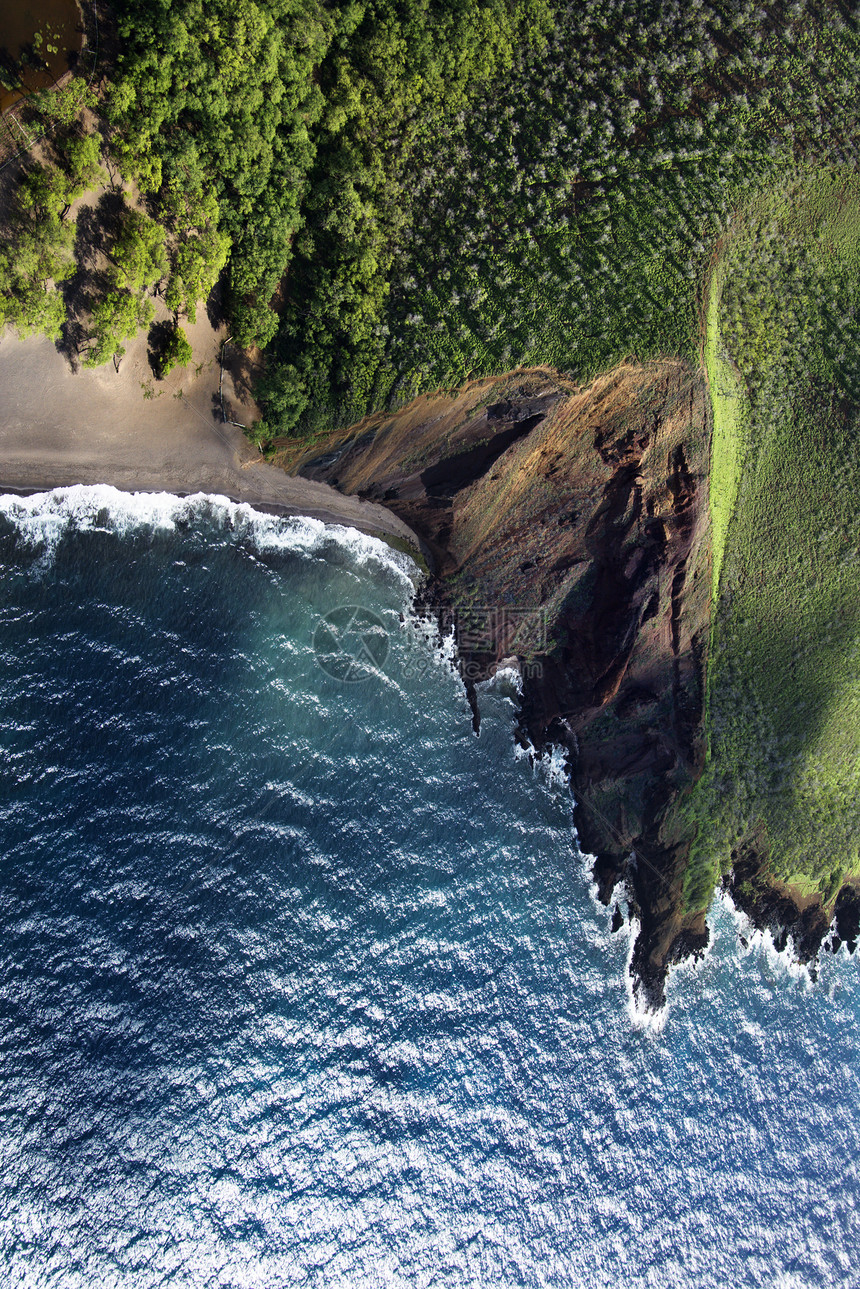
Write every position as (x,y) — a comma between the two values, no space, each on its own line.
(302,983)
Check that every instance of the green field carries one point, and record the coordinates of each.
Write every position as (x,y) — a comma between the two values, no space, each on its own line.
(730,410)
(784,683)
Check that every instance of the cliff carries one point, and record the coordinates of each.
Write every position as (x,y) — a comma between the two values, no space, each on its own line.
(569,526)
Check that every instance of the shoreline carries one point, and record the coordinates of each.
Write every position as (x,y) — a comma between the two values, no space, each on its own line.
(60,428)
(368,521)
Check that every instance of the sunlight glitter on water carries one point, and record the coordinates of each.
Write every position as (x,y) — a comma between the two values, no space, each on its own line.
(301,982)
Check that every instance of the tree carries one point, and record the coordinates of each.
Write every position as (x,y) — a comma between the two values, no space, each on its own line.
(31,267)
(197,262)
(63,106)
(139,254)
(118,317)
(81,153)
(45,193)
(177,352)
(220,99)
(286,396)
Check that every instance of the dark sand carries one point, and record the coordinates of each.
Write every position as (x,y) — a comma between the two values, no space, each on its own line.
(59,428)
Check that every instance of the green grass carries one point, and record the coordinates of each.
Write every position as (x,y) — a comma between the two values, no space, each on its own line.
(784,682)
(730,408)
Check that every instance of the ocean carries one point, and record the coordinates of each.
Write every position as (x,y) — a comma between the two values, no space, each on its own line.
(304,983)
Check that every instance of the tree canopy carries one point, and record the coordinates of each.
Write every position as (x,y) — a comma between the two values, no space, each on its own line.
(397,196)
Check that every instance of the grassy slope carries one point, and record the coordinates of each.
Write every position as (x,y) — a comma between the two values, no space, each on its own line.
(729,403)
(784,688)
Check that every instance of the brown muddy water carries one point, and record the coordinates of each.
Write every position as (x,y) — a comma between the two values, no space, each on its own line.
(39,42)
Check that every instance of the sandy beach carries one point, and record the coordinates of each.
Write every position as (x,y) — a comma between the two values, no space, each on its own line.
(59,427)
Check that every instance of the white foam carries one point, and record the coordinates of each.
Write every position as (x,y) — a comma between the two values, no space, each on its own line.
(423,643)
(750,940)
(43,520)
(550,764)
(527,749)
(642,1018)
(507,681)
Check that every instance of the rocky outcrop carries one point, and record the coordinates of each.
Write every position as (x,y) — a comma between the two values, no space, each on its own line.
(569,526)
(772,906)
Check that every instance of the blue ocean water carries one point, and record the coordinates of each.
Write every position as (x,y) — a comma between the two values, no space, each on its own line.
(301,983)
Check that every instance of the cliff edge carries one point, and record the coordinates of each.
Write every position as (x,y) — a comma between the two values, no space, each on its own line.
(569,526)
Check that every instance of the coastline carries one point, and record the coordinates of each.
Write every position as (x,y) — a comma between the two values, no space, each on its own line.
(581,514)
(59,428)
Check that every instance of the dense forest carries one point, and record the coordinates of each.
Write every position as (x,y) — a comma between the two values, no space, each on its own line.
(397,196)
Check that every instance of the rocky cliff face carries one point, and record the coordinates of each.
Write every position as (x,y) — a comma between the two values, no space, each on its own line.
(569,526)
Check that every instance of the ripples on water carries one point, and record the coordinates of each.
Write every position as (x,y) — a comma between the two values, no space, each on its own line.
(301,983)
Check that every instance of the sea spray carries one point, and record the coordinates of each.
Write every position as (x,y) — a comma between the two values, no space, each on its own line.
(43,519)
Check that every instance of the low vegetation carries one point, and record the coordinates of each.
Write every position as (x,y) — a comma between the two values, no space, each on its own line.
(729,404)
(784,694)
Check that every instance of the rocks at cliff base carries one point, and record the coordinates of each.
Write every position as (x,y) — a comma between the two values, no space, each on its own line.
(569,530)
